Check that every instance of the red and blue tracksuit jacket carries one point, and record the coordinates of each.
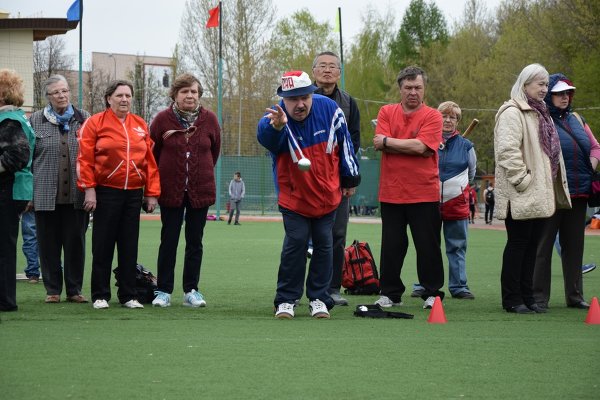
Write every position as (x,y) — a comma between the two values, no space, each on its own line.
(324,139)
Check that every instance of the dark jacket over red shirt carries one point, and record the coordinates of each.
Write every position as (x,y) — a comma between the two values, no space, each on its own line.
(186,161)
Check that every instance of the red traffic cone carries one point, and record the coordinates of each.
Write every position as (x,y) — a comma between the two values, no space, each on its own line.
(593,316)
(437,315)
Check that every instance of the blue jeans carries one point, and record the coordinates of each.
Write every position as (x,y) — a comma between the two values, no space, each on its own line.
(455,237)
(30,245)
(292,268)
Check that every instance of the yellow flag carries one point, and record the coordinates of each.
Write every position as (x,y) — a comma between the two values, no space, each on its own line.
(336,28)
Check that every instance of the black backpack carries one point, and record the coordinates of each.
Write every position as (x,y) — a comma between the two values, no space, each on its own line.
(145,283)
(489,196)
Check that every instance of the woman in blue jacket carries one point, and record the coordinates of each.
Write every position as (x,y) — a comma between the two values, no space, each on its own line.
(581,153)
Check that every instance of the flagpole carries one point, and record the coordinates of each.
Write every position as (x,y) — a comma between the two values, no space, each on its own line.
(80,102)
(343,79)
(220,105)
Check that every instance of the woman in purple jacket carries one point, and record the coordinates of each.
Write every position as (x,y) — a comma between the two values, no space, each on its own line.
(187,144)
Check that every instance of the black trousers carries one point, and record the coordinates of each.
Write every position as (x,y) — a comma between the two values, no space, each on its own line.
(62,230)
(9,230)
(489,212)
(340,227)
(172,219)
(570,224)
(116,222)
(425,222)
(518,260)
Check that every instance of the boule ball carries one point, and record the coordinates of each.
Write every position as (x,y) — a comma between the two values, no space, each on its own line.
(304,164)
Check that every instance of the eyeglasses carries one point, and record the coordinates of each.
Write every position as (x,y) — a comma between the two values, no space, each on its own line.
(450,117)
(323,67)
(57,93)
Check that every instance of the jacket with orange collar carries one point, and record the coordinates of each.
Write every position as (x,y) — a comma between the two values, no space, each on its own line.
(117,154)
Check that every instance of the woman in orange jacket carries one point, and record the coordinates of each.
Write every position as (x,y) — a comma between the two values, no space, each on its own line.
(118,174)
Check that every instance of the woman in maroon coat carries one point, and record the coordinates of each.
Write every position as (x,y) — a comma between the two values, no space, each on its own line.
(187,144)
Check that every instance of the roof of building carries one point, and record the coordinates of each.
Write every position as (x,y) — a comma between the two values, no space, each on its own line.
(41,27)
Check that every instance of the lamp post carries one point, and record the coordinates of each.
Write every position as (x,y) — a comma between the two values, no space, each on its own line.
(111,55)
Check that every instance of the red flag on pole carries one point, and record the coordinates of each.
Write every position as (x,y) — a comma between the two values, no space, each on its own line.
(213,19)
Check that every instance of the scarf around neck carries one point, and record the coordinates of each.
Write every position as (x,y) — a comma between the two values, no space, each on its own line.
(547,132)
(57,119)
(187,118)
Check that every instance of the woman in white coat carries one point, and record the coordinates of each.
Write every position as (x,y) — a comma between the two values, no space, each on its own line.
(530,182)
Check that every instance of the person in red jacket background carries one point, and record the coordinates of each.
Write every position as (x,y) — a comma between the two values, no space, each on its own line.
(188,143)
(118,173)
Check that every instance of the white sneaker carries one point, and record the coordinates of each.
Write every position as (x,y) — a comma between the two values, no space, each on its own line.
(285,310)
(133,304)
(318,309)
(386,302)
(194,299)
(100,304)
(429,303)
(162,299)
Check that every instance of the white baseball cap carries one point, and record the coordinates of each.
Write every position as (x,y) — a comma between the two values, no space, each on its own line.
(561,86)
(295,83)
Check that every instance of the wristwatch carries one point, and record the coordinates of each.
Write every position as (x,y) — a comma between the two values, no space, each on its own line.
(384,142)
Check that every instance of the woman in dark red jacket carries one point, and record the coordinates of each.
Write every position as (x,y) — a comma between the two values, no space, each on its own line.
(187,144)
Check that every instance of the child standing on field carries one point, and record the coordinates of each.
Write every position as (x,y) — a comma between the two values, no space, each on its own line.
(237,190)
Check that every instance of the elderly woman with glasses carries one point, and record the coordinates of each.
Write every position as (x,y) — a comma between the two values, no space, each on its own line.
(16,144)
(457,164)
(61,221)
(581,153)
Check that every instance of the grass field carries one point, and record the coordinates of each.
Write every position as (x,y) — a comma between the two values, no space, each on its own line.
(235,349)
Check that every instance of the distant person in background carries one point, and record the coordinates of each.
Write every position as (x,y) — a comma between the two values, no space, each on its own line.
(30,246)
(409,134)
(59,215)
(472,203)
(313,125)
(326,72)
(457,165)
(530,183)
(118,173)
(237,191)
(489,198)
(581,152)
(16,149)
(187,140)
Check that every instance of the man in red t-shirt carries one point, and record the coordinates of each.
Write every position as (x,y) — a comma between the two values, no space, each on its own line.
(409,134)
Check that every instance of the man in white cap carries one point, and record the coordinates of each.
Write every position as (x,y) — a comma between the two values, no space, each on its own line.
(302,127)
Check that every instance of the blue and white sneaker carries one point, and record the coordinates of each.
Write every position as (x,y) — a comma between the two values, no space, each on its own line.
(162,299)
(585,268)
(194,299)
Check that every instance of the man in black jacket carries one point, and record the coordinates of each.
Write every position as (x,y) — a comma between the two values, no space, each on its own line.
(327,72)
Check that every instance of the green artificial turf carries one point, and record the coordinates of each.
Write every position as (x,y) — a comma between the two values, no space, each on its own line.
(235,349)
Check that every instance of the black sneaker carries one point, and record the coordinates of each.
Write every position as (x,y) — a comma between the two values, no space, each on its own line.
(464,295)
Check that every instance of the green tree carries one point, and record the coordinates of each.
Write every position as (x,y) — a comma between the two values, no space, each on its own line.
(368,78)
(422,25)
(297,39)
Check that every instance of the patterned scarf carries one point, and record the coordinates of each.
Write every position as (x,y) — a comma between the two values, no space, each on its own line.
(548,136)
(57,119)
(186,118)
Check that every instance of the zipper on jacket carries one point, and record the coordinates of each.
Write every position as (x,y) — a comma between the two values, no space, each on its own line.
(128,149)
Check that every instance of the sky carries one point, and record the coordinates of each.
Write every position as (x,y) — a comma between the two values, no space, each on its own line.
(151,27)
